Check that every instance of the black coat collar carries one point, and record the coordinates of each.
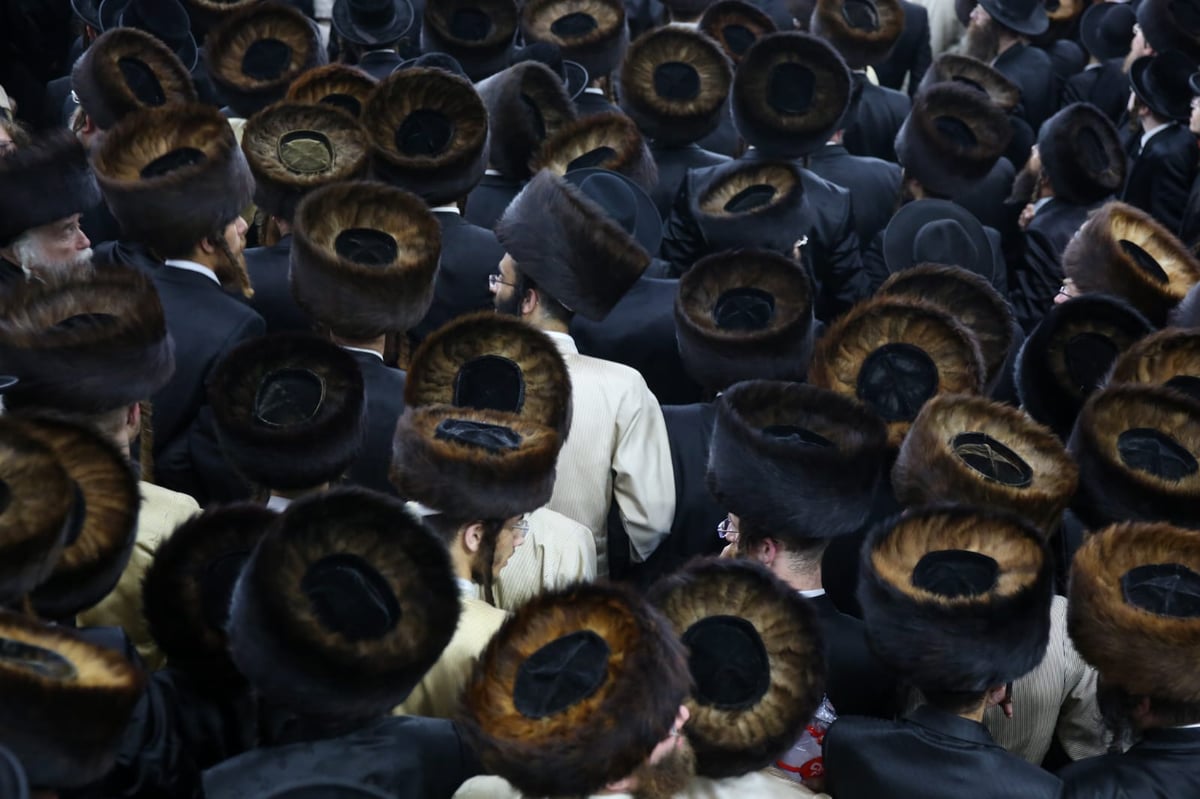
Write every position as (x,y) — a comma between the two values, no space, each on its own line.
(951,725)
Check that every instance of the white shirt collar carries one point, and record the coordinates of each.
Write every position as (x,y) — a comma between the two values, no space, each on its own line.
(278,503)
(447,209)
(467,589)
(564,342)
(689,25)
(594,90)
(812,593)
(493,173)
(192,266)
(1188,727)
(360,349)
(1150,134)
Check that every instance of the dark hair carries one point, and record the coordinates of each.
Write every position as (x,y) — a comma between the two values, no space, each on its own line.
(554,309)
(801,551)
(446,526)
(955,702)
(1117,706)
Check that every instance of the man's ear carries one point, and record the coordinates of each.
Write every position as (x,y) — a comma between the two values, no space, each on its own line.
(207,247)
(473,537)
(530,302)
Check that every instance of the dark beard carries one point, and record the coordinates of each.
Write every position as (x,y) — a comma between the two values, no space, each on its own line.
(1116,710)
(510,306)
(982,42)
(667,777)
(1025,187)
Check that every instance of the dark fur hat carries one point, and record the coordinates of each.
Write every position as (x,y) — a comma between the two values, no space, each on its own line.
(526,103)
(969,298)
(255,53)
(752,204)
(570,246)
(1081,154)
(344,605)
(364,258)
(85,342)
(604,141)
(575,690)
(66,703)
(339,85)
(894,354)
(757,661)
(1168,358)
(173,174)
(44,182)
(289,410)
(1125,252)
(957,598)
(795,460)
(736,26)
(863,31)
(293,149)
(1140,634)
(983,453)
(108,503)
(790,94)
(593,33)
(1168,25)
(975,74)
(429,133)
(952,138)
(489,361)
(187,589)
(675,85)
(1138,447)
(125,70)
(744,315)
(477,33)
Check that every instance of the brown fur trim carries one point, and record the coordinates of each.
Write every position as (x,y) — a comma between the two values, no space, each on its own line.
(668,120)
(570,246)
(64,729)
(526,103)
(929,469)
(846,345)
(438,178)
(479,58)
(1097,262)
(358,301)
(968,297)
(184,204)
(599,51)
(963,69)
(859,46)
(336,85)
(288,653)
(1160,358)
(770,226)
(717,357)
(963,643)
(724,18)
(44,182)
(91,565)
(85,368)
(781,135)
(1071,172)
(1142,652)
(600,739)
(729,743)
(614,131)
(99,77)
(784,178)
(433,372)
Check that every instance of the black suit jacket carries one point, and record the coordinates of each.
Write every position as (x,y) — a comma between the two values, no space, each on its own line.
(927,754)
(1033,72)
(11,276)
(1038,274)
(1104,86)
(725,140)
(385,402)
(1189,226)
(673,164)
(858,683)
(57,106)
(269,269)
(912,54)
(380,64)
(874,186)
(876,120)
(487,202)
(589,103)
(1160,177)
(469,254)
(1164,765)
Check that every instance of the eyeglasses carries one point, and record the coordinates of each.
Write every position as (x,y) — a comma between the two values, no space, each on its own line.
(726,529)
(496,280)
(521,525)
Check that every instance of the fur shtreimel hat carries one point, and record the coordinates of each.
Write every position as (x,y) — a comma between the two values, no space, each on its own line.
(593,33)
(289,410)
(863,31)
(338,85)
(957,598)
(343,606)
(44,182)
(756,657)
(790,94)
(477,33)
(1168,25)
(675,85)
(187,589)
(294,149)
(429,134)
(1134,609)
(983,453)
(255,53)
(568,244)
(1081,154)
(744,315)
(601,141)
(952,138)
(736,26)
(173,175)
(975,74)
(795,461)
(125,70)
(1068,355)
(85,342)
(575,690)
(66,703)
(1125,252)
(1138,450)
(894,354)
(364,258)
(752,204)
(1168,358)
(526,103)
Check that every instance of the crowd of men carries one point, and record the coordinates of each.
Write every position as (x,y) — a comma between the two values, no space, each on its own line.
(565,398)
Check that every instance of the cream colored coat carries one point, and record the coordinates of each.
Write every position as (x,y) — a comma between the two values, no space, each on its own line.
(751,786)
(557,552)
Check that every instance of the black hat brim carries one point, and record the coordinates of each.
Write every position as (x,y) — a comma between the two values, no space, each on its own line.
(575,78)
(1035,24)
(1089,30)
(903,228)
(1156,103)
(648,227)
(345,27)
(87,11)
(108,17)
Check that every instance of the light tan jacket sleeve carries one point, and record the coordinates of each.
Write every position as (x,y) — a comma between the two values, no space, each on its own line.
(643,479)
(557,551)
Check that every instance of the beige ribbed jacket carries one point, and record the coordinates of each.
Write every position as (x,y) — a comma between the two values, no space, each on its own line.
(557,552)
(617,447)
(751,786)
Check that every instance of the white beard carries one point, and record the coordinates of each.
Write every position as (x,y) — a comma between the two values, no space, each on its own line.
(33,261)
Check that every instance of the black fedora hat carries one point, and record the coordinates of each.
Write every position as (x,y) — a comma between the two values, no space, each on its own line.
(89,12)
(1023,16)
(479,33)
(573,75)
(625,202)
(372,22)
(1107,30)
(168,20)
(937,232)
(1162,82)
(1171,25)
